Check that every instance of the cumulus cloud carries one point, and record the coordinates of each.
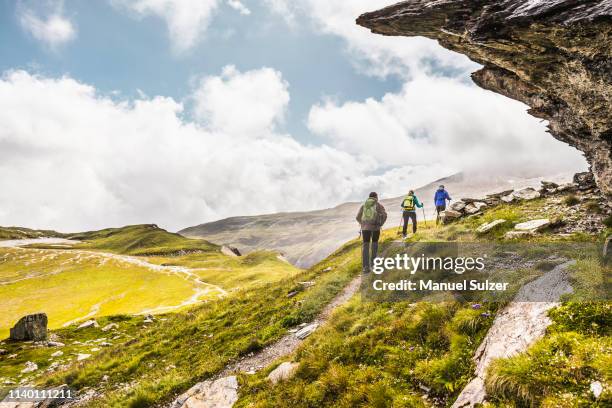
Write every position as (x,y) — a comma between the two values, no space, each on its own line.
(239,7)
(242,104)
(73,159)
(186,20)
(48,24)
(444,121)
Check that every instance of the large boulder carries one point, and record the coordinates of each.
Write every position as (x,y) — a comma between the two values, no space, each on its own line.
(474,207)
(526,194)
(30,327)
(584,180)
(458,206)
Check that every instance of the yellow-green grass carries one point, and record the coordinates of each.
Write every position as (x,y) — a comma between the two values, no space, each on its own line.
(69,288)
(193,345)
(23,233)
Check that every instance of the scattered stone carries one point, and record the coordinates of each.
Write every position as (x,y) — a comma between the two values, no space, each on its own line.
(230,251)
(106,344)
(596,388)
(30,327)
(292,293)
(507,198)
(458,206)
(329,268)
(110,326)
(53,366)
(566,187)
(306,331)
(95,349)
(283,372)
(221,393)
(12,356)
(518,234)
(549,185)
(81,357)
(3,352)
(88,324)
(475,207)
(449,216)
(526,194)
(484,228)
(57,353)
(584,180)
(307,284)
(29,367)
(55,344)
(533,225)
(105,378)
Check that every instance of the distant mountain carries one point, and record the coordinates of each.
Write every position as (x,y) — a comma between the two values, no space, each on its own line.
(305,238)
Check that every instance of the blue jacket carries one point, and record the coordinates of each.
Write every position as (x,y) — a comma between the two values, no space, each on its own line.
(416,203)
(441,197)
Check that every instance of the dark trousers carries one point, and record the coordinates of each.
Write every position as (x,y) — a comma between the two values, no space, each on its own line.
(367,258)
(410,216)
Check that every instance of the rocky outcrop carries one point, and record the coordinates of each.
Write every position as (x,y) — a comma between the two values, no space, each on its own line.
(552,55)
(30,327)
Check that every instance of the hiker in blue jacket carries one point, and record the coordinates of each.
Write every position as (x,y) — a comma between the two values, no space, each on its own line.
(409,206)
(440,201)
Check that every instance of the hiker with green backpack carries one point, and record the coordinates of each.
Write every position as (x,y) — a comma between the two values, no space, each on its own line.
(371,217)
(409,206)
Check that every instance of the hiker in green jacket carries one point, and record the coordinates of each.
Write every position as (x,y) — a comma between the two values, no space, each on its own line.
(371,217)
(409,206)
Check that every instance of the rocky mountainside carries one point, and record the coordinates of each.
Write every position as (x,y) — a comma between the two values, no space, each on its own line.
(553,55)
(305,238)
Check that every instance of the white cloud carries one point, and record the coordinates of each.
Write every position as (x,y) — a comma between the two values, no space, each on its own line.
(444,121)
(186,20)
(239,6)
(72,159)
(374,54)
(248,104)
(50,26)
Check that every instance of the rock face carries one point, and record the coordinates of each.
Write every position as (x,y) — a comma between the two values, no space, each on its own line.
(31,327)
(552,55)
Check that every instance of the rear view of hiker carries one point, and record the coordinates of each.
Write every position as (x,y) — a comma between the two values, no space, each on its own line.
(409,206)
(371,217)
(440,200)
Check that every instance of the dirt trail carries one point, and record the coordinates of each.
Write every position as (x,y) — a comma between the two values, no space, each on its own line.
(516,327)
(290,342)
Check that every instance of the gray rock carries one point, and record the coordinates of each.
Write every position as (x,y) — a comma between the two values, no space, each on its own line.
(110,326)
(306,331)
(526,194)
(55,344)
(484,228)
(31,327)
(475,207)
(58,353)
(81,356)
(584,180)
(500,194)
(458,206)
(533,225)
(518,234)
(88,323)
(283,372)
(449,215)
(230,251)
(29,367)
(507,198)
(221,393)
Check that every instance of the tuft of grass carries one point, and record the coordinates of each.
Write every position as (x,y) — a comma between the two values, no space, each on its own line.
(571,200)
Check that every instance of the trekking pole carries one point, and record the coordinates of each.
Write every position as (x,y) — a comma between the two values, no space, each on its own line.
(424,216)
(400,224)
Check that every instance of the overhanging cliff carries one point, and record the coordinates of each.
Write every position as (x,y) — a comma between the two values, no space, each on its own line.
(553,55)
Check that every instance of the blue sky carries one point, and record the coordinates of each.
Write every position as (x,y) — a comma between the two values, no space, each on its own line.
(116,52)
(178,112)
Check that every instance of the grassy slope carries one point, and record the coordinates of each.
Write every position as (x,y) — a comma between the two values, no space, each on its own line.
(69,284)
(22,233)
(386,355)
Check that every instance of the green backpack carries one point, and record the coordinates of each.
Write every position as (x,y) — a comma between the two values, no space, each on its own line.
(408,204)
(369,214)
